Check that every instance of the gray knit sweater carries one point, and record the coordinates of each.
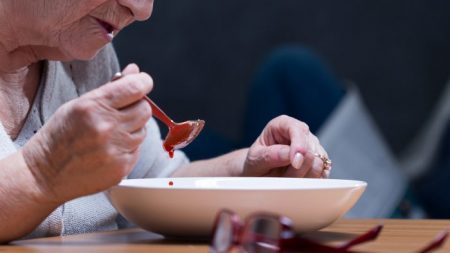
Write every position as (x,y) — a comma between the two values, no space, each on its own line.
(62,82)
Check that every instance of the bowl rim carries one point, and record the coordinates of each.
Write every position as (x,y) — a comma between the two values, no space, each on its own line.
(347,184)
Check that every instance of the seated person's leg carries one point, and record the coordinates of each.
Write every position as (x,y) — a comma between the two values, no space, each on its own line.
(292,81)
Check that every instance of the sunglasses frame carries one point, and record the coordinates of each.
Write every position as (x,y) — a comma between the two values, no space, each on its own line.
(289,240)
(238,226)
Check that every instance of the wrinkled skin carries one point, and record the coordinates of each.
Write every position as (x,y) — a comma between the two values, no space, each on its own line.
(65,30)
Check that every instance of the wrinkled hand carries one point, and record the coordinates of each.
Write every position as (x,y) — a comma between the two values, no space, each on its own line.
(91,142)
(286,148)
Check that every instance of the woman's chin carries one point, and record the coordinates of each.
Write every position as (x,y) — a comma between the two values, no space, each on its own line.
(85,54)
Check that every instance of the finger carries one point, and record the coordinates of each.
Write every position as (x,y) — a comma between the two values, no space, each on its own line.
(129,142)
(289,131)
(293,172)
(130,69)
(124,91)
(299,170)
(304,146)
(128,162)
(316,146)
(267,158)
(317,169)
(135,116)
(312,145)
(298,136)
(137,138)
(307,164)
(300,148)
(326,173)
(298,160)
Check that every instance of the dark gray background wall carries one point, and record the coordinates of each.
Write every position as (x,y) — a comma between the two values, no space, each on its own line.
(202,54)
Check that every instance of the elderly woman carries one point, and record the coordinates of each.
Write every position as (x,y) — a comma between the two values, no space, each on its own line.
(68,132)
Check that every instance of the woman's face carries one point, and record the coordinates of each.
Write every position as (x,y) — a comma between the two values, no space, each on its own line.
(75,29)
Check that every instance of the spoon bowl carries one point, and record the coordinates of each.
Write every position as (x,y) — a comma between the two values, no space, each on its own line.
(181,134)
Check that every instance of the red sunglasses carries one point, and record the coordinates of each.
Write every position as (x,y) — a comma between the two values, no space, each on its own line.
(269,233)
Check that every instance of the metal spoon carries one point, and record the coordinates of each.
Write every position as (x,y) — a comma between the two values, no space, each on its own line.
(180,134)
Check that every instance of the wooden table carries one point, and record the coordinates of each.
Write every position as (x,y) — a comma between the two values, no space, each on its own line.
(397,236)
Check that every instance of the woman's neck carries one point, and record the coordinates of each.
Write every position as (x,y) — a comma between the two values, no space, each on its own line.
(22,47)
(19,63)
(17,92)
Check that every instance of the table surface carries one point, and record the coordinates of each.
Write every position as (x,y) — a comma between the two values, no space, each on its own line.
(397,236)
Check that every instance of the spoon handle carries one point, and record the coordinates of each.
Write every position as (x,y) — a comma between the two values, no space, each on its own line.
(156,110)
(159,113)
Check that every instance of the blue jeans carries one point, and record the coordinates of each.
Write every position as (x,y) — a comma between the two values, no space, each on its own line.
(292,81)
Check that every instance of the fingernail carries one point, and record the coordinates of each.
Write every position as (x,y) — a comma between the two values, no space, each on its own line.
(317,166)
(298,160)
(284,153)
(117,76)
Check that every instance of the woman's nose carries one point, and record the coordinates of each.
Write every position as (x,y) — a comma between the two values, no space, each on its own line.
(141,9)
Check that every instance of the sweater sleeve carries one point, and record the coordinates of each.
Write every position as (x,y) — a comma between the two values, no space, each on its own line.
(6,145)
(154,161)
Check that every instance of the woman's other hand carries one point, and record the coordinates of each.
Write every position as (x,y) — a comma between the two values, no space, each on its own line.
(91,142)
(286,148)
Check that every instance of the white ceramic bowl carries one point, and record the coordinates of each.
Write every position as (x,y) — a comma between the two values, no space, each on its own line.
(188,207)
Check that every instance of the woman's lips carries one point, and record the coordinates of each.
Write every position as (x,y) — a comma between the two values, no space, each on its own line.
(110,29)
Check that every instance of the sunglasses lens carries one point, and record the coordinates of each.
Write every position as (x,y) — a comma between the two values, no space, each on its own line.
(261,235)
(223,235)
